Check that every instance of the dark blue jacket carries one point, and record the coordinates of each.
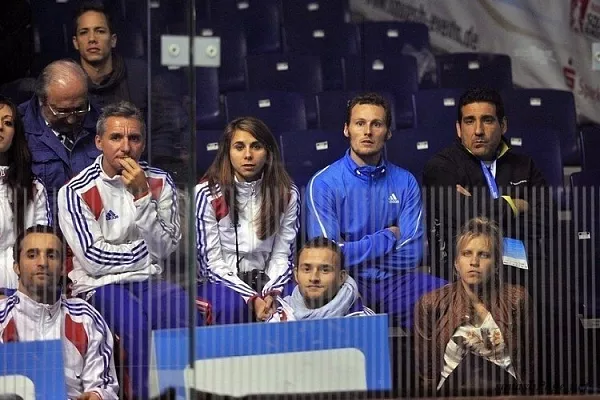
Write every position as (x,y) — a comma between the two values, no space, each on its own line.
(51,162)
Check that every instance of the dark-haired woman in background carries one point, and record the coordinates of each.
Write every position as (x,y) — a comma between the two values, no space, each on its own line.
(476,332)
(23,201)
(247,218)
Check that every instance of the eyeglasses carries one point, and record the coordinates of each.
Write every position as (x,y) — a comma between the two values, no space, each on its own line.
(66,114)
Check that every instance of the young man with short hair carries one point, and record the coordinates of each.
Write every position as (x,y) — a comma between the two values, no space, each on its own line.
(113,77)
(324,288)
(38,311)
(373,210)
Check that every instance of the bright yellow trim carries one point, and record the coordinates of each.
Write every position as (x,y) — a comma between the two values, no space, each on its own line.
(511,203)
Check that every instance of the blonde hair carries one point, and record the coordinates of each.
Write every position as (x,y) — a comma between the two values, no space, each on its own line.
(482,226)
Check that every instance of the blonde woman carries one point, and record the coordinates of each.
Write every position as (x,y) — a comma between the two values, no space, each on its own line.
(475,332)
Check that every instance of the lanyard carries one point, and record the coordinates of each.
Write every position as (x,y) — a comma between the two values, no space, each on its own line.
(491,181)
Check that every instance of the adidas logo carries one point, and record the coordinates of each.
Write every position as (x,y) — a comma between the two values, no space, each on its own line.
(393,199)
(110,215)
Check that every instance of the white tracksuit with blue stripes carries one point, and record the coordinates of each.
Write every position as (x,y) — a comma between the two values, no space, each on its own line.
(37,212)
(87,341)
(216,239)
(114,237)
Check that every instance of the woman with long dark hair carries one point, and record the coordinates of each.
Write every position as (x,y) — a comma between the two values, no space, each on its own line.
(247,219)
(23,201)
(476,332)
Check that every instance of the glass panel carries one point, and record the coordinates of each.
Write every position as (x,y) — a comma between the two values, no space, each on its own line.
(153,256)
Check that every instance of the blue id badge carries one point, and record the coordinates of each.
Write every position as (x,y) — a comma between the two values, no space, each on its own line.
(514,253)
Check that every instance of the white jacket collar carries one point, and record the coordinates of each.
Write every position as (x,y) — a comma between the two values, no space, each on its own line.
(248,188)
(34,310)
(115,180)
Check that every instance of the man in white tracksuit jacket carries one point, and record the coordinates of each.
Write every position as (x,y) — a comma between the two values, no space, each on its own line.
(121,221)
(37,311)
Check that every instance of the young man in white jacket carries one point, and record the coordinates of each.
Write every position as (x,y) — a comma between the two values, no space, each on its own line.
(324,290)
(121,221)
(38,311)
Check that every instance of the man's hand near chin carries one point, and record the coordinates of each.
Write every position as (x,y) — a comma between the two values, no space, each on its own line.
(133,177)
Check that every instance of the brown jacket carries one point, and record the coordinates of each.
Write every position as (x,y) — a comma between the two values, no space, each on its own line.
(439,313)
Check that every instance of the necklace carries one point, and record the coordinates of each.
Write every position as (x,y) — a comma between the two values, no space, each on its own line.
(3,171)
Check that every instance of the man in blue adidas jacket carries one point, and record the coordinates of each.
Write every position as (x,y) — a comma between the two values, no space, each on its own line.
(374,210)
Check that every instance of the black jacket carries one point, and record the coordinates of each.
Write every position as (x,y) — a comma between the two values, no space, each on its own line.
(128,81)
(448,210)
(169,121)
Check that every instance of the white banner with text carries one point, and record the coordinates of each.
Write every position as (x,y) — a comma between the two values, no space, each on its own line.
(550,42)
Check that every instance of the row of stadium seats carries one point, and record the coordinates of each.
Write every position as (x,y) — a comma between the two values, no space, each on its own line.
(323,52)
(434,110)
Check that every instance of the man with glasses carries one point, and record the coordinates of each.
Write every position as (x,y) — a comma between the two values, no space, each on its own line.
(60,125)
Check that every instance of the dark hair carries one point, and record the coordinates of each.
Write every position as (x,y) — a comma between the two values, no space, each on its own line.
(122,109)
(52,230)
(373,99)
(96,6)
(276,184)
(19,176)
(482,95)
(321,242)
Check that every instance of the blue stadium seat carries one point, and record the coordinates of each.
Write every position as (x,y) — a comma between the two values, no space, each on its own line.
(287,72)
(52,31)
(353,72)
(332,43)
(232,72)
(19,91)
(589,137)
(332,108)
(166,13)
(437,108)
(290,72)
(261,20)
(315,13)
(466,70)
(208,102)
(545,108)
(392,36)
(306,152)
(397,74)
(130,21)
(412,148)
(585,193)
(281,111)
(312,112)
(207,144)
(396,37)
(543,146)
